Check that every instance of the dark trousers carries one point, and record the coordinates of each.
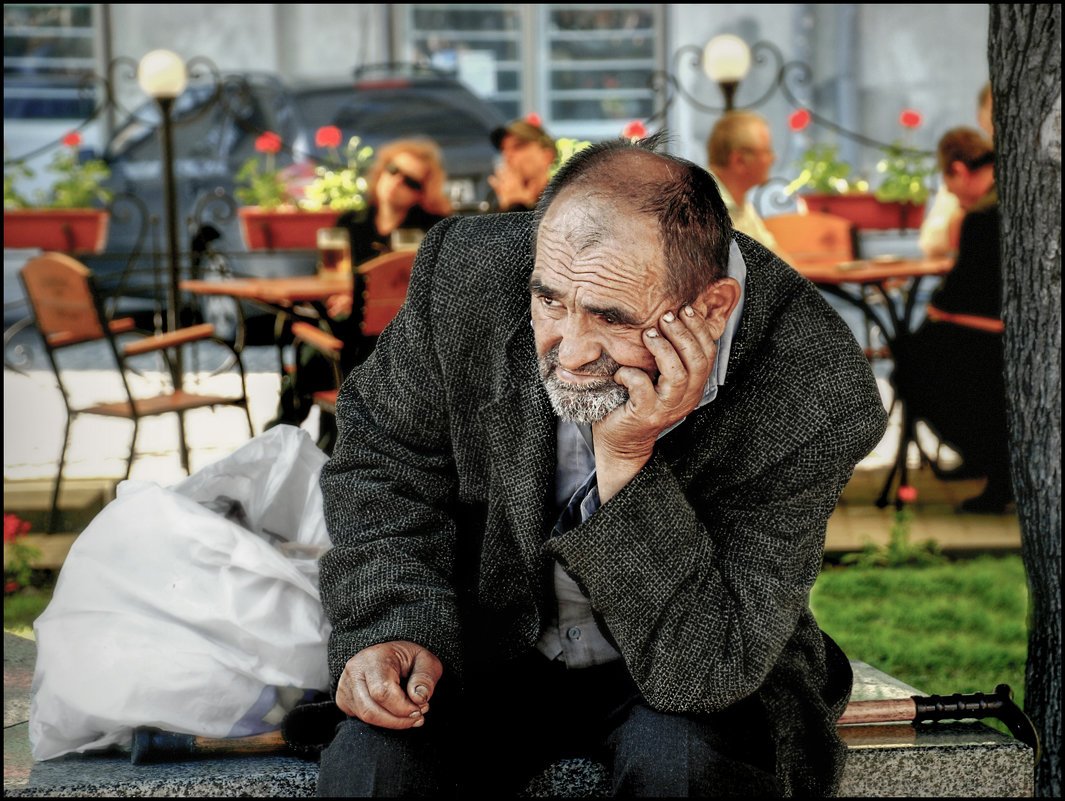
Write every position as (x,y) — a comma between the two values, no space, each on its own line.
(509,726)
(953,378)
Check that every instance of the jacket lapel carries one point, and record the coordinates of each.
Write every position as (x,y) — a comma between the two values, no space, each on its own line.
(520,428)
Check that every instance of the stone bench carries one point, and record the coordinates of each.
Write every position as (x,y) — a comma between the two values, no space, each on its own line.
(944,759)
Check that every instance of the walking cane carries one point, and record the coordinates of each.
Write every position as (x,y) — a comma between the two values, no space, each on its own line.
(152,746)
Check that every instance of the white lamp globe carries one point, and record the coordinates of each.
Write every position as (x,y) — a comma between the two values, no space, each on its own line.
(161,74)
(726,59)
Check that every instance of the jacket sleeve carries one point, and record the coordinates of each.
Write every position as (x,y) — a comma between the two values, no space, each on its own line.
(386,491)
(701,566)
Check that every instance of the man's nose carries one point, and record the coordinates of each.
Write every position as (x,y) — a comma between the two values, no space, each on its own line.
(578,346)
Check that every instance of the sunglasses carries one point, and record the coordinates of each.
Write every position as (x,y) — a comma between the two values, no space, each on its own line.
(411,183)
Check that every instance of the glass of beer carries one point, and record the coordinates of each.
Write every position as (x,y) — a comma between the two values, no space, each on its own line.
(334,251)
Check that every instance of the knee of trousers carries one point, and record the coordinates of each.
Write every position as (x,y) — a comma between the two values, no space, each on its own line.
(365,760)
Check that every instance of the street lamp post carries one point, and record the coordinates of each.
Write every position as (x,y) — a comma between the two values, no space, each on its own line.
(727,60)
(162,76)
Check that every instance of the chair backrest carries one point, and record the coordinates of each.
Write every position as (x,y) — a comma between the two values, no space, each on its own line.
(60,291)
(814,236)
(387,277)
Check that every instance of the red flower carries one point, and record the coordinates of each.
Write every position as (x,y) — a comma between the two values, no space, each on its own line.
(11,586)
(910,118)
(269,142)
(534,119)
(799,119)
(327,136)
(634,130)
(907,494)
(72,139)
(14,527)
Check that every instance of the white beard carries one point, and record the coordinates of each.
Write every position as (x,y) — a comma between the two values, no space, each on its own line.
(587,403)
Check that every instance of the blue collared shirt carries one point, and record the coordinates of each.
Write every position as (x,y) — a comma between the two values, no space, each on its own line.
(574,635)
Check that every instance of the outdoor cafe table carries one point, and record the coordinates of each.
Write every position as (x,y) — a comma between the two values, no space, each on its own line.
(847,281)
(300,297)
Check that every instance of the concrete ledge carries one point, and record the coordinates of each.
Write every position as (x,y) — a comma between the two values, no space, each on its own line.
(966,759)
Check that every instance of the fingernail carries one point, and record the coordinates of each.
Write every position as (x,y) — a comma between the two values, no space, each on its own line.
(420,690)
(651,333)
(688,310)
(668,317)
(418,722)
(417,713)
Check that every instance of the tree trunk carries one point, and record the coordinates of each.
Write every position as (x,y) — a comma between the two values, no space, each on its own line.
(1024,54)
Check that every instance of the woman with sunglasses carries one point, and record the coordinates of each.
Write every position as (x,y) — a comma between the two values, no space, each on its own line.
(406,192)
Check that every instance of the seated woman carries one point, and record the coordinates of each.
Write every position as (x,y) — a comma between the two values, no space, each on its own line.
(950,372)
(406,192)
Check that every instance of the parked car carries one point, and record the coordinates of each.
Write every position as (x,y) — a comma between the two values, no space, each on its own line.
(214,131)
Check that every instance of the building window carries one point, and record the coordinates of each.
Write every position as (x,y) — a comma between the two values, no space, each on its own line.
(48,50)
(586,69)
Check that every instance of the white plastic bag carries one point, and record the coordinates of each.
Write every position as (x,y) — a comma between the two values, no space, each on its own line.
(193,608)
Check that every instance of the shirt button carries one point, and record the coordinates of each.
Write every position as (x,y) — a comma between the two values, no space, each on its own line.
(574,633)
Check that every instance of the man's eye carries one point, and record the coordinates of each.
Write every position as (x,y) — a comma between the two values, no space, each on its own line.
(550,303)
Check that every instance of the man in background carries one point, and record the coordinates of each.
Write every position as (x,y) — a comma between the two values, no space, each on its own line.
(528,153)
(740,152)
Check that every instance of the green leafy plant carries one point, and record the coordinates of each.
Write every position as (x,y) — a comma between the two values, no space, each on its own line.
(343,189)
(899,551)
(13,199)
(906,171)
(18,556)
(822,172)
(906,174)
(263,185)
(78,185)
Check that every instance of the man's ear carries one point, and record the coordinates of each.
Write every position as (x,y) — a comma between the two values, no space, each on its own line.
(717,302)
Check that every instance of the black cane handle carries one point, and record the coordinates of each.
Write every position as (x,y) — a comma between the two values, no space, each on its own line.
(998,705)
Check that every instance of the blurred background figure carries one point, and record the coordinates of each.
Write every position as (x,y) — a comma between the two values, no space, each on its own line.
(528,152)
(941,229)
(740,152)
(950,371)
(406,193)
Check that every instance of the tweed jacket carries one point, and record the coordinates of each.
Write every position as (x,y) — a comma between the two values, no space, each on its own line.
(438,491)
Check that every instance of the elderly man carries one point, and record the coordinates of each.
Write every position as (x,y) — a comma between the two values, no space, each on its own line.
(528,153)
(579,499)
(740,155)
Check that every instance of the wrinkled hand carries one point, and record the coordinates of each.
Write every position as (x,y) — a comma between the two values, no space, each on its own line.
(389,685)
(684,349)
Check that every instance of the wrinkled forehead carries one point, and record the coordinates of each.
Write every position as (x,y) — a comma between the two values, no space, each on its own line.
(589,237)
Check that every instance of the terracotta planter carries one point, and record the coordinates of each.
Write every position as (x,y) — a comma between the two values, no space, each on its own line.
(868,213)
(283,230)
(66,230)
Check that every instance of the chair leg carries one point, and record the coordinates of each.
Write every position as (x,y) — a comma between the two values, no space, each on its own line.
(132,447)
(184,444)
(53,515)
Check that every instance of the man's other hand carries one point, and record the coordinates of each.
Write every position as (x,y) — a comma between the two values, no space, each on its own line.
(389,685)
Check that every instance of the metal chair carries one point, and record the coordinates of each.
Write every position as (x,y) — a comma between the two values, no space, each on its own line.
(68,311)
(384,281)
(817,236)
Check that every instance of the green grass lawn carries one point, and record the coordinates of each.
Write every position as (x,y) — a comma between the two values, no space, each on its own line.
(953,627)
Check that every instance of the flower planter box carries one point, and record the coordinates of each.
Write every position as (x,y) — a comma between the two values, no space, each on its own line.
(66,230)
(283,229)
(868,213)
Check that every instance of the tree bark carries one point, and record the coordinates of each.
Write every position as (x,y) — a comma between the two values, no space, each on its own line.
(1024,55)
